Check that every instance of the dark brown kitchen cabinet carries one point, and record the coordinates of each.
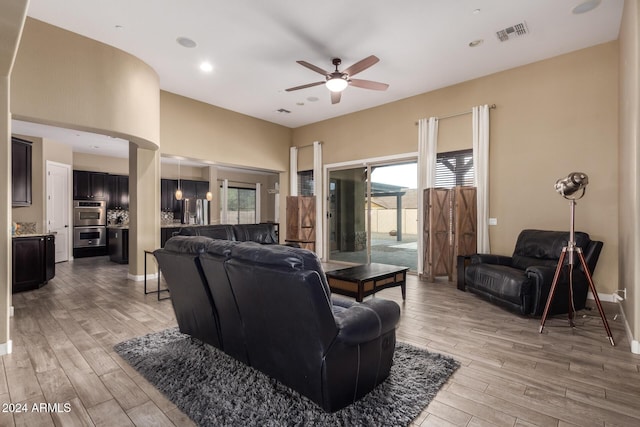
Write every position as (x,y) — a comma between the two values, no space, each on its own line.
(20,172)
(202,187)
(89,185)
(33,263)
(168,202)
(119,245)
(118,190)
(188,189)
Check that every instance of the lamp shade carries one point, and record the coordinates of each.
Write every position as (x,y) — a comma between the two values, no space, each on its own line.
(336,84)
(209,196)
(178,194)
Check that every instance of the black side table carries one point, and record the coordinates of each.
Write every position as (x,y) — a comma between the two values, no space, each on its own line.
(146,253)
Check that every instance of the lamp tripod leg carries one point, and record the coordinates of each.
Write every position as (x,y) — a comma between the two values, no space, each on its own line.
(571,312)
(592,287)
(552,291)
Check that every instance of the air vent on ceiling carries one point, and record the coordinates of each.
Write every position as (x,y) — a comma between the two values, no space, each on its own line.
(515,31)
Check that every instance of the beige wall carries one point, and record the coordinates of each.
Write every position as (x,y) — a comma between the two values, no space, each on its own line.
(629,237)
(553,117)
(63,79)
(57,152)
(201,131)
(95,163)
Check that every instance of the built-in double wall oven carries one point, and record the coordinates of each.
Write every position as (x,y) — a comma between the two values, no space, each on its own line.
(89,223)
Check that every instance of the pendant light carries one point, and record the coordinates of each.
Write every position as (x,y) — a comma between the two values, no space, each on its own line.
(209,196)
(179,190)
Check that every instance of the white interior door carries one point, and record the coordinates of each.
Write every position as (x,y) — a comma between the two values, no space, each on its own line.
(58,207)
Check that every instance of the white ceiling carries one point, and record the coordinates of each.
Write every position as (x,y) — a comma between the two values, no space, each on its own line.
(253,45)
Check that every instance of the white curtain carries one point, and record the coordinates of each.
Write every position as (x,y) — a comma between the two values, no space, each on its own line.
(293,171)
(317,191)
(223,202)
(427,152)
(480,117)
(258,202)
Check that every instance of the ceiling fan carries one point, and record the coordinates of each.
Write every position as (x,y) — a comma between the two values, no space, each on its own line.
(338,81)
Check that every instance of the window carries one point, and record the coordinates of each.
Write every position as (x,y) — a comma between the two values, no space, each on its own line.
(305,183)
(241,205)
(454,168)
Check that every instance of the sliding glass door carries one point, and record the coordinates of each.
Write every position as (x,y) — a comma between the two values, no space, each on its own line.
(373,214)
(348,215)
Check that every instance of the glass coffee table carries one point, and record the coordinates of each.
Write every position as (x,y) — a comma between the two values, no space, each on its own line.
(367,279)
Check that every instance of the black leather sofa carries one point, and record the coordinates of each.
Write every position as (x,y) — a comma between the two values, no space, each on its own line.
(270,307)
(521,282)
(263,233)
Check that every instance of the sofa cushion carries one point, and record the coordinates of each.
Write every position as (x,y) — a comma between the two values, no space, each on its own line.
(218,231)
(546,244)
(187,244)
(221,248)
(259,233)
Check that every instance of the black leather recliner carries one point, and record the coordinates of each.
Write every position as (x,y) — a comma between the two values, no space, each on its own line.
(193,304)
(275,313)
(521,283)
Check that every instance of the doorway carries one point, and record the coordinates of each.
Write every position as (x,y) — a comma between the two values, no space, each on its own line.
(58,207)
(373,214)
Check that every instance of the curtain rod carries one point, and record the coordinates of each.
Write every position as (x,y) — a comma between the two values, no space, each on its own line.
(304,146)
(491,107)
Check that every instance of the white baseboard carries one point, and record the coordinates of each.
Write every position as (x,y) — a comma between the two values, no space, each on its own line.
(604,297)
(5,348)
(635,344)
(140,277)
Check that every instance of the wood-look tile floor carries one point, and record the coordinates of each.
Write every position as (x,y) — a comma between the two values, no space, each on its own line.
(511,375)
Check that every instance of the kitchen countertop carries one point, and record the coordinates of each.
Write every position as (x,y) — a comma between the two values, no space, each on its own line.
(165,225)
(34,235)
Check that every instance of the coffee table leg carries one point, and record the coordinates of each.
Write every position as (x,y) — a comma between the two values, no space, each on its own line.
(360,295)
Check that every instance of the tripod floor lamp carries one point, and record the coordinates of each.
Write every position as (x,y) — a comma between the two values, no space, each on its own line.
(573,188)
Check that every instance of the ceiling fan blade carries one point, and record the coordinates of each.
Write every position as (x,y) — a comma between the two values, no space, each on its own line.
(335,97)
(305,86)
(361,65)
(313,67)
(368,84)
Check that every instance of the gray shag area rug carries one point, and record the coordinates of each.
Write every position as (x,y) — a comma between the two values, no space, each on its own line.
(214,389)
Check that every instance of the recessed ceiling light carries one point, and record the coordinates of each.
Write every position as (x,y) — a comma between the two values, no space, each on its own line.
(186,42)
(119,27)
(206,67)
(476,12)
(312,98)
(300,104)
(476,43)
(586,6)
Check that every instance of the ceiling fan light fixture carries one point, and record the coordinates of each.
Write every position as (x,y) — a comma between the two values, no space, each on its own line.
(336,84)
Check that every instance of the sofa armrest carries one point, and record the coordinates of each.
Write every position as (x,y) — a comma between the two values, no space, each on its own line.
(364,322)
(542,279)
(491,259)
(341,301)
